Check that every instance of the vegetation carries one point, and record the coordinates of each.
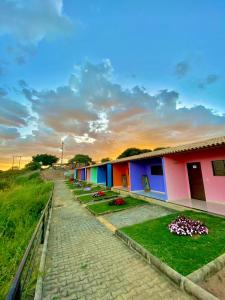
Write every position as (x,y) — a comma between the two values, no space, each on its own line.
(132,151)
(33,165)
(105,207)
(105,159)
(184,254)
(81,159)
(87,198)
(92,190)
(20,209)
(45,159)
(160,148)
(72,186)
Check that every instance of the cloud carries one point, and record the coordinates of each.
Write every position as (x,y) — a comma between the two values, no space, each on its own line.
(12,113)
(46,17)
(100,117)
(210,79)
(8,133)
(182,68)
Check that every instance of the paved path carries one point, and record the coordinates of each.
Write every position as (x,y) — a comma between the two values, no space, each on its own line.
(85,261)
(137,215)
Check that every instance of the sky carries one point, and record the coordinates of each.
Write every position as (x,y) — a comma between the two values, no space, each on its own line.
(107,75)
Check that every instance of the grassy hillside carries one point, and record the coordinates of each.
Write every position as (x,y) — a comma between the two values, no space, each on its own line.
(22,198)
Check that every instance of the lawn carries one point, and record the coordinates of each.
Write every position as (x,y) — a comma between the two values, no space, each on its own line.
(87,198)
(103,208)
(92,190)
(20,208)
(74,187)
(183,253)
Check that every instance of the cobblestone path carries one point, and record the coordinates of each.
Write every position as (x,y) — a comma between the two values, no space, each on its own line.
(85,261)
(137,215)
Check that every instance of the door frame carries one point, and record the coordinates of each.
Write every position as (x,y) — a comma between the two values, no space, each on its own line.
(189,183)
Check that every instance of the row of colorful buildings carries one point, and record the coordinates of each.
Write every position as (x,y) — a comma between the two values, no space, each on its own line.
(191,171)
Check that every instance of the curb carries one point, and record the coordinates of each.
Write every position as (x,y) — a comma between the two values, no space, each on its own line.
(39,284)
(183,282)
(208,270)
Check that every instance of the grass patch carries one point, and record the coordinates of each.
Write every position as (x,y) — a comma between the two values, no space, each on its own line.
(184,254)
(20,209)
(92,190)
(87,198)
(74,187)
(104,207)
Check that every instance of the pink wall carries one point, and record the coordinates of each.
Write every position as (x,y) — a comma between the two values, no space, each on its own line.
(177,176)
(88,170)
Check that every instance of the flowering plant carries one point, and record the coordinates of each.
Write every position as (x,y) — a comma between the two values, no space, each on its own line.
(98,194)
(118,201)
(187,226)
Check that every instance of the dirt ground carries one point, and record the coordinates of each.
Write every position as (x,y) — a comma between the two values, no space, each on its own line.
(216,284)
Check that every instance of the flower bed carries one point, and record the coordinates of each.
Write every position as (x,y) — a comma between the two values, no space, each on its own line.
(187,226)
(117,202)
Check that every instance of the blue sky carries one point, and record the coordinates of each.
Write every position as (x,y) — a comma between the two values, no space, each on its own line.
(171,51)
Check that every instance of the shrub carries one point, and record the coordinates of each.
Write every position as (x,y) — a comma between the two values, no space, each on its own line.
(187,226)
(98,194)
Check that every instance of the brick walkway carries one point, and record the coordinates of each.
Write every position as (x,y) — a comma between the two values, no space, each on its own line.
(85,261)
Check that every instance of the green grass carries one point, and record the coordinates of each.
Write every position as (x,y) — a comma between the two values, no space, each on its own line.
(20,209)
(183,253)
(73,187)
(87,198)
(101,208)
(92,190)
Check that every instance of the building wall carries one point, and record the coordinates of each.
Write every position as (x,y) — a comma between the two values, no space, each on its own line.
(109,176)
(177,175)
(88,174)
(120,169)
(101,174)
(143,167)
(93,175)
(82,174)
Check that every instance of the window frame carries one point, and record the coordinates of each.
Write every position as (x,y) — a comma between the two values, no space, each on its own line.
(214,169)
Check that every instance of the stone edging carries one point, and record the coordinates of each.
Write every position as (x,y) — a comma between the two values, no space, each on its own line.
(208,270)
(183,282)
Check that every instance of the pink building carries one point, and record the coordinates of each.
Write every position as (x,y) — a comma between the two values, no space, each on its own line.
(198,174)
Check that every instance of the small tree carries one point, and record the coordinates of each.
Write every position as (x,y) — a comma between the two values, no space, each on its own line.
(132,151)
(45,159)
(160,148)
(32,166)
(81,159)
(105,159)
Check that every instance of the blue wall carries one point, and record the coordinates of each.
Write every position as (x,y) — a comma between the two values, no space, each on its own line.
(143,167)
(101,174)
(82,174)
(109,175)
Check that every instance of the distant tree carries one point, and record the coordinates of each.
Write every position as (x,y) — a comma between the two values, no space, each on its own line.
(33,165)
(105,159)
(45,159)
(81,159)
(160,148)
(132,151)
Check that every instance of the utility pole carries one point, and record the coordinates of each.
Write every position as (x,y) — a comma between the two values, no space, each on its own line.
(62,148)
(14,157)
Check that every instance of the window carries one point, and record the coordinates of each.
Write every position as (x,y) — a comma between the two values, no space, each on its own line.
(218,167)
(157,170)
